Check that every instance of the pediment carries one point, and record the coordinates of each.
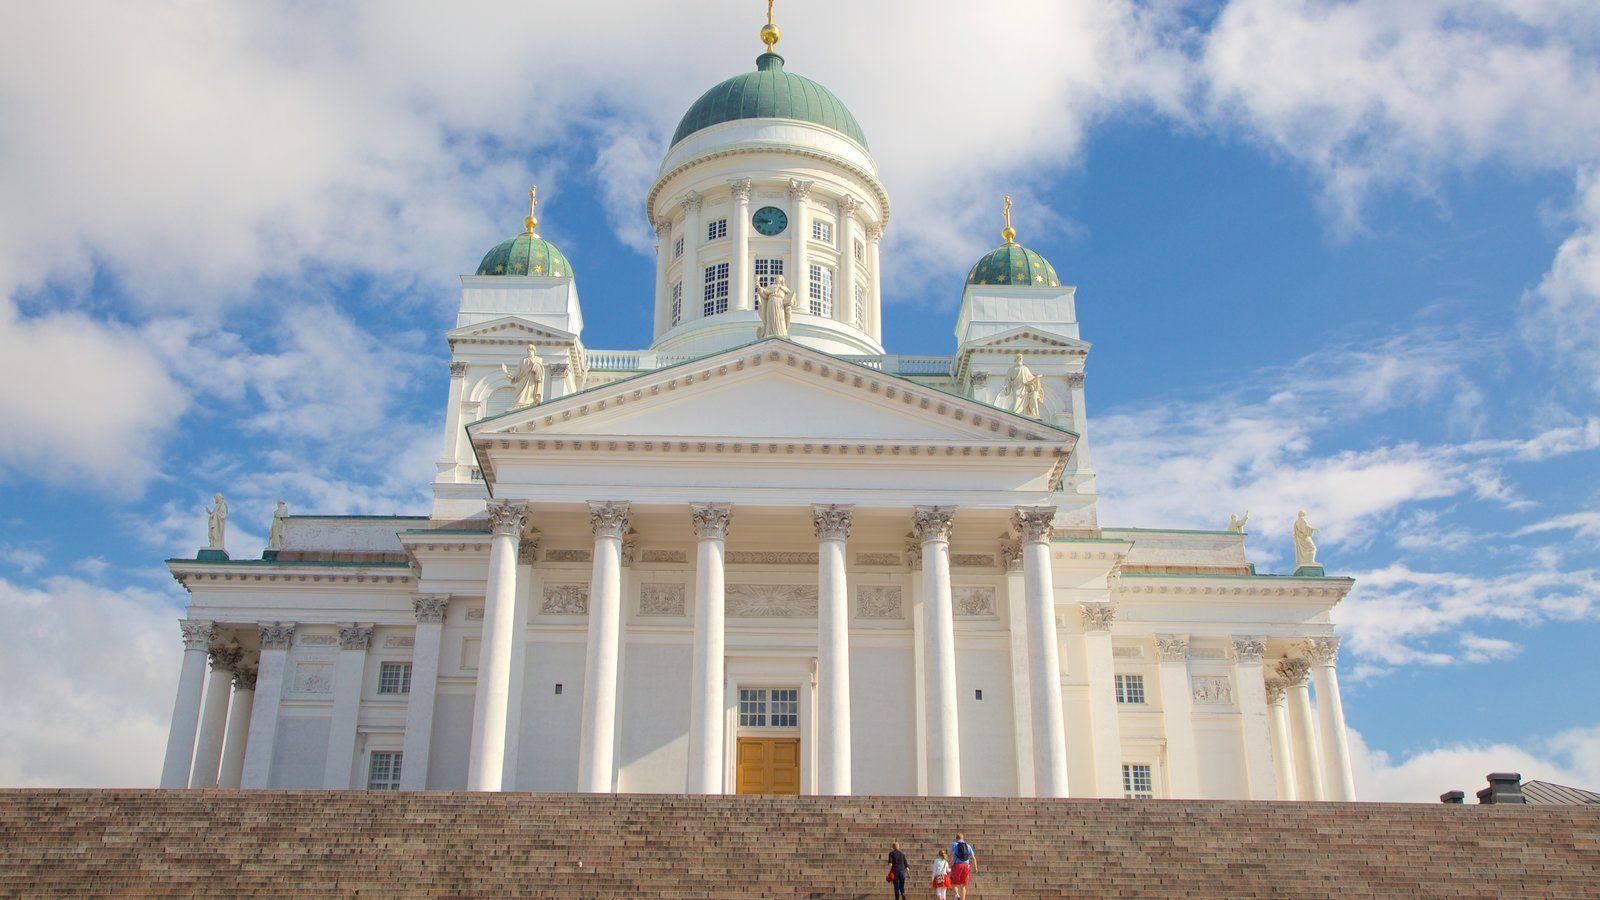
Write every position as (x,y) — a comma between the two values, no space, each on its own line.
(1026,338)
(772,391)
(511,327)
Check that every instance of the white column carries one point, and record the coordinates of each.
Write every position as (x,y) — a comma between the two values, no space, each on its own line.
(845,311)
(349,676)
(1278,727)
(1079,462)
(875,280)
(197,637)
(486,764)
(1302,730)
(1033,525)
(932,526)
(430,610)
(831,524)
(1021,693)
(1249,685)
(452,421)
(244,695)
(800,221)
(707,711)
(1177,716)
(271,670)
(1338,774)
(596,745)
(919,648)
(1104,720)
(663,319)
(214,717)
(742,285)
(694,281)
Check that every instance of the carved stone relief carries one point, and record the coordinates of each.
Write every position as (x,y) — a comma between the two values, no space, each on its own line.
(661,599)
(397,641)
(972,560)
(877,559)
(568,555)
(565,599)
(880,601)
(771,558)
(321,640)
(973,601)
(771,600)
(475,614)
(1213,690)
(313,678)
(664,556)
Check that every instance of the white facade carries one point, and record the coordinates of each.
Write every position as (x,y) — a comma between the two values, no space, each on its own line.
(911,575)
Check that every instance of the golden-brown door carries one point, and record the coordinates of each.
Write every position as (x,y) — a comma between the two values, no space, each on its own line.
(769,766)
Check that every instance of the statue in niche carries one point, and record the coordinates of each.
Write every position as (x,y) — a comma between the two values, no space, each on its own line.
(1030,402)
(216,523)
(1305,546)
(275,533)
(1024,389)
(528,380)
(777,308)
(1236,523)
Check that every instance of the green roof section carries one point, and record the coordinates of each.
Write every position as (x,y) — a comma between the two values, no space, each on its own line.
(1012,263)
(525,254)
(769,93)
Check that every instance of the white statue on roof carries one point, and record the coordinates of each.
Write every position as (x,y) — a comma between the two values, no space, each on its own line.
(528,379)
(1025,389)
(1236,523)
(216,523)
(777,307)
(275,533)
(1305,547)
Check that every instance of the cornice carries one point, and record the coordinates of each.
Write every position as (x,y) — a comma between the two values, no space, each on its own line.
(863,175)
(188,573)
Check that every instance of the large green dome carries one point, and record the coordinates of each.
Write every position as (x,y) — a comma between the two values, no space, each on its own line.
(1012,263)
(769,93)
(525,254)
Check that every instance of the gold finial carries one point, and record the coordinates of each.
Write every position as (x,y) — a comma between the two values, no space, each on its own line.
(769,32)
(532,221)
(1009,233)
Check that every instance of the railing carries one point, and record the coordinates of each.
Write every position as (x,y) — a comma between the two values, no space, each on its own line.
(647,360)
(897,364)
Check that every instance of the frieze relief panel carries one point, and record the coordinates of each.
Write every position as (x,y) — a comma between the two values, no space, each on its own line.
(771,558)
(321,640)
(877,559)
(565,599)
(1207,653)
(561,555)
(398,641)
(661,599)
(973,601)
(880,601)
(1127,652)
(778,601)
(972,560)
(313,678)
(664,556)
(475,614)
(1213,690)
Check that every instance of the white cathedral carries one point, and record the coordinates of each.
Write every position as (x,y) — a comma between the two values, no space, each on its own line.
(763,555)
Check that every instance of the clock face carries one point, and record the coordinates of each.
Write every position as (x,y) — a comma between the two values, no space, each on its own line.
(770,221)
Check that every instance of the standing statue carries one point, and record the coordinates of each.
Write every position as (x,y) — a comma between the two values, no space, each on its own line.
(777,308)
(1305,548)
(1019,387)
(1030,402)
(275,533)
(216,523)
(1236,523)
(528,380)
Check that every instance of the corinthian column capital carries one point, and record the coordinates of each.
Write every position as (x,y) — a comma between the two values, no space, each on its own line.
(1011,552)
(848,205)
(430,607)
(1324,651)
(711,520)
(276,635)
(1172,647)
(508,517)
(1248,649)
(691,202)
(1097,617)
(913,552)
(1034,523)
(244,678)
(1294,670)
(609,519)
(741,188)
(933,523)
(355,637)
(800,190)
(225,658)
(458,369)
(197,635)
(1277,689)
(832,522)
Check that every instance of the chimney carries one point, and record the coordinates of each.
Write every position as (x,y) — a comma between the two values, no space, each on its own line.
(1504,787)
(1457,797)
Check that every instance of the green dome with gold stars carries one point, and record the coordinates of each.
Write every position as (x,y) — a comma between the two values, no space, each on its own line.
(526,253)
(1012,263)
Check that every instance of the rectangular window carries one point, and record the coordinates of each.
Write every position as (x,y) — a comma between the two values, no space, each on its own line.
(786,708)
(716,230)
(861,306)
(716,299)
(1137,783)
(752,708)
(767,271)
(677,302)
(861,252)
(394,678)
(677,248)
(821,291)
(822,230)
(1130,688)
(383,772)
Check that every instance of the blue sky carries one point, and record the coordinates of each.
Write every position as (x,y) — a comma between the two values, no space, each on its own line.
(1338,255)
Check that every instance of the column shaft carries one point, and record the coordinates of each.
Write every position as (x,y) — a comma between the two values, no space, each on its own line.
(1282,750)
(486,765)
(1251,688)
(596,747)
(832,525)
(742,286)
(1104,718)
(349,673)
(694,285)
(845,307)
(1338,775)
(244,695)
(1303,731)
(214,718)
(800,221)
(186,706)
(932,527)
(663,320)
(875,293)
(1177,717)
(452,421)
(1044,653)
(430,610)
(1021,693)
(707,698)
(263,734)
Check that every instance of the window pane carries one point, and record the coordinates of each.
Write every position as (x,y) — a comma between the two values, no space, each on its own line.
(394,678)
(752,708)
(821,291)
(822,231)
(716,296)
(383,772)
(1137,782)
(677,302)
(767,271)
(786,708)
(717,230)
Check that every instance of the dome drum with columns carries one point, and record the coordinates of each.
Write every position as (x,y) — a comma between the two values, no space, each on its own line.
(762,554)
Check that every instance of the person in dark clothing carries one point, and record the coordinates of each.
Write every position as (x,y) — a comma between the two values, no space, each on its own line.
(898,867)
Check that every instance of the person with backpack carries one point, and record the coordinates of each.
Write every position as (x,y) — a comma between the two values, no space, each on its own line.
(898,867)
(962,863)
(941,874)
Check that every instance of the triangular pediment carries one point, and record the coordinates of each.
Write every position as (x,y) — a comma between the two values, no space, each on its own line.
(513,327)
(1024,338)
(772,390)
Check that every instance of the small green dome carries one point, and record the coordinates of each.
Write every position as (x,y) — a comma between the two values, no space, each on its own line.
(525,254)
(1014,264)
(769,93)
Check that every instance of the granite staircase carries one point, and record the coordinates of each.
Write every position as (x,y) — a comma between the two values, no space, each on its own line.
(230,843)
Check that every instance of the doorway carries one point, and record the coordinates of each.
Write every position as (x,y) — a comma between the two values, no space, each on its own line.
(769,766)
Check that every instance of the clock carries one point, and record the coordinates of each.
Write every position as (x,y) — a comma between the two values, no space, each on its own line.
(770,221)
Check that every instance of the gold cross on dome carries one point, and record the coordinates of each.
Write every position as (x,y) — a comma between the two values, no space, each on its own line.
(1008,232)
(532,221)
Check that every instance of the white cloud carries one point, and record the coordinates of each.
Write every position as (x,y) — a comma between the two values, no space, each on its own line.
(24,558)
(1563,312)
(87,682)
(1571,758)
(1582,524)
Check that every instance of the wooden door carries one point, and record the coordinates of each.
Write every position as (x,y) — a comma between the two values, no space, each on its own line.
(769,766)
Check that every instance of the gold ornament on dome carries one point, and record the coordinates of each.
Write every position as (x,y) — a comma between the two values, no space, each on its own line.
(532,221)
(770,35)
(1009,233)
